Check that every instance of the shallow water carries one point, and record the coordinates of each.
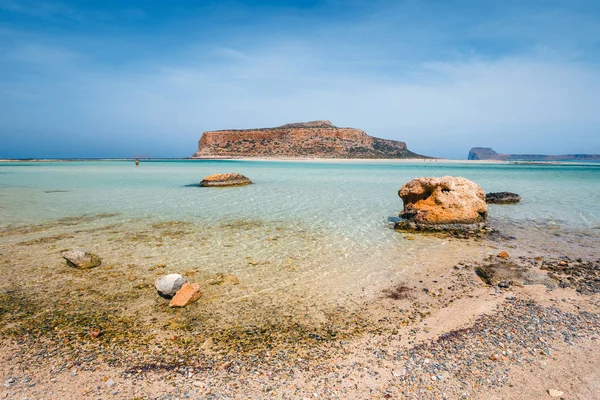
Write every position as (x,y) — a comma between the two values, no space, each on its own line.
(349,197)
(305,238)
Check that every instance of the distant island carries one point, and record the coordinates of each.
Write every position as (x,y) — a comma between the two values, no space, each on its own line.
(486,153)
(318,139)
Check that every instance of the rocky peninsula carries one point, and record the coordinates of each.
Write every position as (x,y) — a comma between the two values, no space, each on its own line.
(486,153)
(318,139)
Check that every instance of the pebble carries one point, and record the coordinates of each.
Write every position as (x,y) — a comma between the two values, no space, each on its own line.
(555,393)
(188,293)
(399,372)
(168,285)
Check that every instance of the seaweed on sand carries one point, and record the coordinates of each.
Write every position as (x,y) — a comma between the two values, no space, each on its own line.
(397,292)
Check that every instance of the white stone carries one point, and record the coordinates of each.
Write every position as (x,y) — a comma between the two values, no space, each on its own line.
(555,393)
(399,372)
(168,285)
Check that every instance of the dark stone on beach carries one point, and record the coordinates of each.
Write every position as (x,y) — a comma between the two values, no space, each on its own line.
(502,198)
(220,180)
(505,274)
(81,259)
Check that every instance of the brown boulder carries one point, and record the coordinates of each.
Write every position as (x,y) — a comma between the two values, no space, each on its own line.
(448,203)
(232,179)
(188,293)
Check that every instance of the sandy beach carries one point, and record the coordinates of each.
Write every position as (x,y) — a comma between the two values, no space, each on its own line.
(470,341)
(278,159)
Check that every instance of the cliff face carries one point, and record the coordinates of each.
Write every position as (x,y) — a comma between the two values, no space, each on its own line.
(486,153)
(320,139)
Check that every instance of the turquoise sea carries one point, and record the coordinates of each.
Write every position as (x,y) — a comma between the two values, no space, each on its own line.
(352,197)
(315,231)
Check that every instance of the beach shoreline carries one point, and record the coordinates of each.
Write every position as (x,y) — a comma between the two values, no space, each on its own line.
(315,160)
(276,159)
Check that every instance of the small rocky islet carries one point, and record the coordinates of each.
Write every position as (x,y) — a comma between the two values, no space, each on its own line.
(224,180)
(315,139)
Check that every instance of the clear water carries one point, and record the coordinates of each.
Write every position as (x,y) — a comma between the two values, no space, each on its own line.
(355,199)
(305,236)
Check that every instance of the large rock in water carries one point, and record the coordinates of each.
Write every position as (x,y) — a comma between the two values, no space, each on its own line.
(448,203)
(78,258)
(168,285)
(232,179)
(502,198)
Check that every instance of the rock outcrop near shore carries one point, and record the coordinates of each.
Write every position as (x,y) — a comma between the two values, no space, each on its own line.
(502,198)
(318,139)
(446,204)
(486,153)
(231,179)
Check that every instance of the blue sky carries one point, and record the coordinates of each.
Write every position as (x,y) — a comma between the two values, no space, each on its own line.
(131,78)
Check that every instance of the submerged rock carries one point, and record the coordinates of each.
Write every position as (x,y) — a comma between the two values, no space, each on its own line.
(502,198)
(168,285)
(232,179)
(225,280)
(78,258)
(505,274)
(188,293)
(446,204)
